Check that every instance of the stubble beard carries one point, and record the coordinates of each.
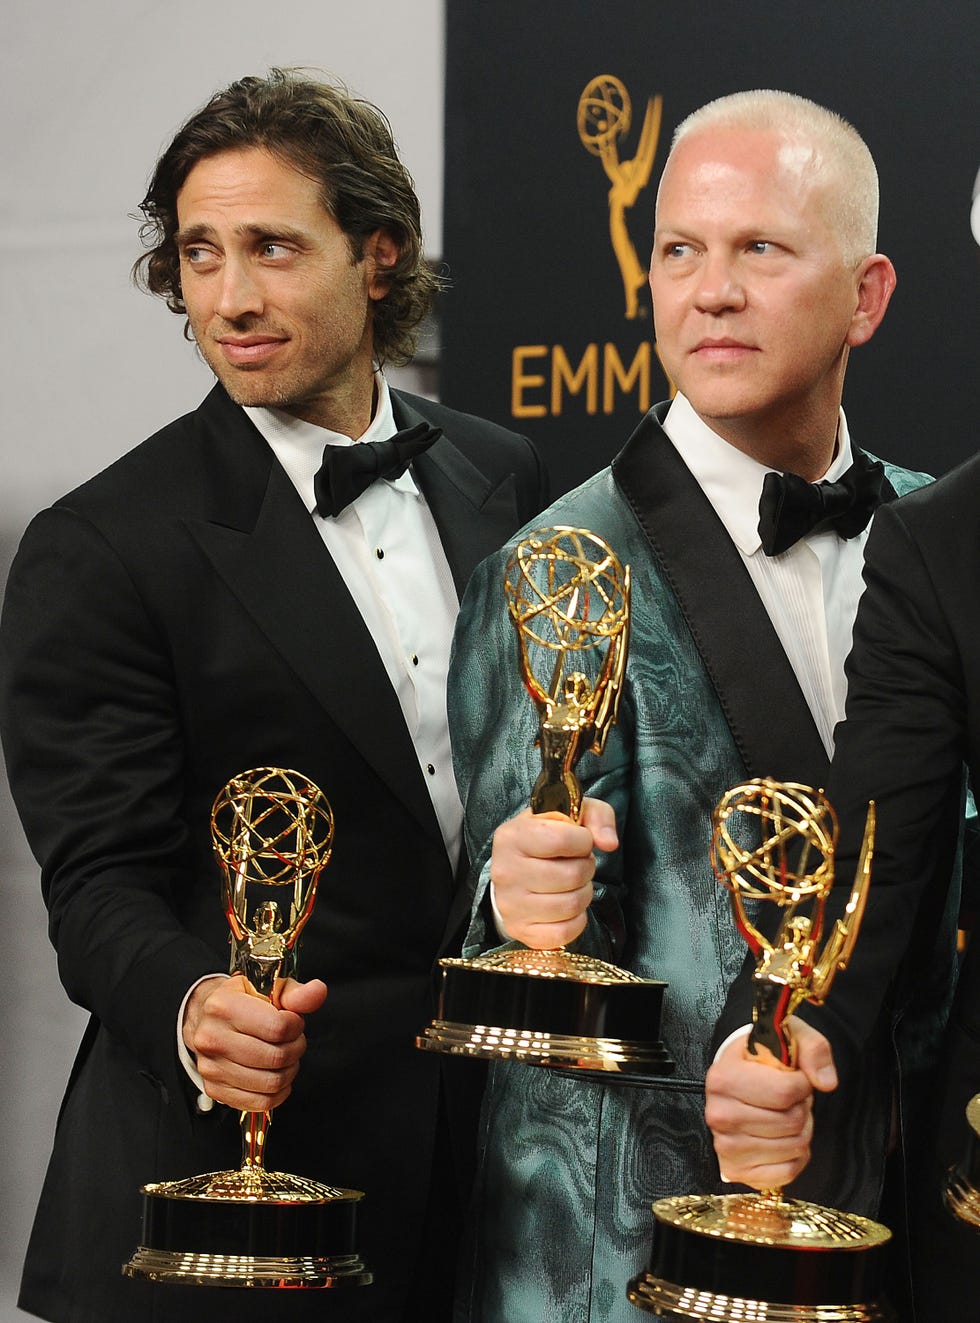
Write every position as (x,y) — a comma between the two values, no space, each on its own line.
(246,387)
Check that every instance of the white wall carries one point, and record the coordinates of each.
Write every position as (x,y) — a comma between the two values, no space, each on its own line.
(89,95)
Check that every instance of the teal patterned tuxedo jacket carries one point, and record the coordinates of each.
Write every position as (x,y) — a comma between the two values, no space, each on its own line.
(569,1168)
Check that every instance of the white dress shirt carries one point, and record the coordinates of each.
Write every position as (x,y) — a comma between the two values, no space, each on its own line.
(388,551)
(811,591)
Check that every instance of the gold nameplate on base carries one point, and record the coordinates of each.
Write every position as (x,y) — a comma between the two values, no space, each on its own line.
(762,1257)
(568,597)
(272,829)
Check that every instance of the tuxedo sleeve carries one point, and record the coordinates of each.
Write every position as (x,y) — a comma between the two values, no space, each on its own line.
(903,745)
(91,736)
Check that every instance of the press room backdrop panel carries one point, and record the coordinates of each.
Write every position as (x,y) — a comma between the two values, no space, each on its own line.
(89,94)
(549,203)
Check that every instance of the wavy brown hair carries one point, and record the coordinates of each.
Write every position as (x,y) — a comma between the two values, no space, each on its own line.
(345,144)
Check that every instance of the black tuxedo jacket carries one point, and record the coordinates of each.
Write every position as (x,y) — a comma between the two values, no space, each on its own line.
(171,623)
(913,721)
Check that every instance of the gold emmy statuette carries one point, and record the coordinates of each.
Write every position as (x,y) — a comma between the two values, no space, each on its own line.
(761,1256)
(963,1184)
(272,831)
(568,598)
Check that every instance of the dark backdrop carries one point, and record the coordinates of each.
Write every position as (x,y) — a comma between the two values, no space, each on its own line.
(535,331)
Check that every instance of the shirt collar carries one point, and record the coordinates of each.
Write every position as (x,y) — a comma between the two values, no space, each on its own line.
(298,445)
(732,480)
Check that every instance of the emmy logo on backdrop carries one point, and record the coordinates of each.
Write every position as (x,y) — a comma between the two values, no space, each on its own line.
(568,598)
(762,1256)
(604,116)
(272,832)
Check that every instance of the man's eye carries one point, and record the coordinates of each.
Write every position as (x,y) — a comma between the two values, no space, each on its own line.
(274,250)
(760,246)
(677,250)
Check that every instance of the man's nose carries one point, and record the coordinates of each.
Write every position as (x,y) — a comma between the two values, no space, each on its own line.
(719,287)
(239,292)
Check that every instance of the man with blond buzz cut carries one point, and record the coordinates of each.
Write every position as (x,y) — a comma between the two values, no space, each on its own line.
(764,276)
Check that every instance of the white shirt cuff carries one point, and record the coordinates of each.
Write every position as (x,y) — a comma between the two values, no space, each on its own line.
(498,922)
(743,1032)
(204,1103)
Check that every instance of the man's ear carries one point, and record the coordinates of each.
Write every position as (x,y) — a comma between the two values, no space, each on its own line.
(381,252)
(876,282)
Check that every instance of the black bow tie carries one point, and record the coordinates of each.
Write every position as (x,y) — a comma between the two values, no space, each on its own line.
(349,470)
(790,507)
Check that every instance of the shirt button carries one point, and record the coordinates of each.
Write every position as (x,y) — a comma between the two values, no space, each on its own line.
(430,769)
(379,552)
(415,659)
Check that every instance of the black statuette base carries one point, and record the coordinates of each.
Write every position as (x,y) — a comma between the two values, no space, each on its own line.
(608,1031)
(277,1245)
(696,1275)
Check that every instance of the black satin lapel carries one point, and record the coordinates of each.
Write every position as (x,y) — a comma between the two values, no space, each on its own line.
(278,570)
(473,516)
(759,694)
(473,519)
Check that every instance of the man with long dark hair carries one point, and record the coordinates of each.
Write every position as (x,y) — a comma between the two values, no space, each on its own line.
(234,594)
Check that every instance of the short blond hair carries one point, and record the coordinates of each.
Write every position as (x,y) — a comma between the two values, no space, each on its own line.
(853,175)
